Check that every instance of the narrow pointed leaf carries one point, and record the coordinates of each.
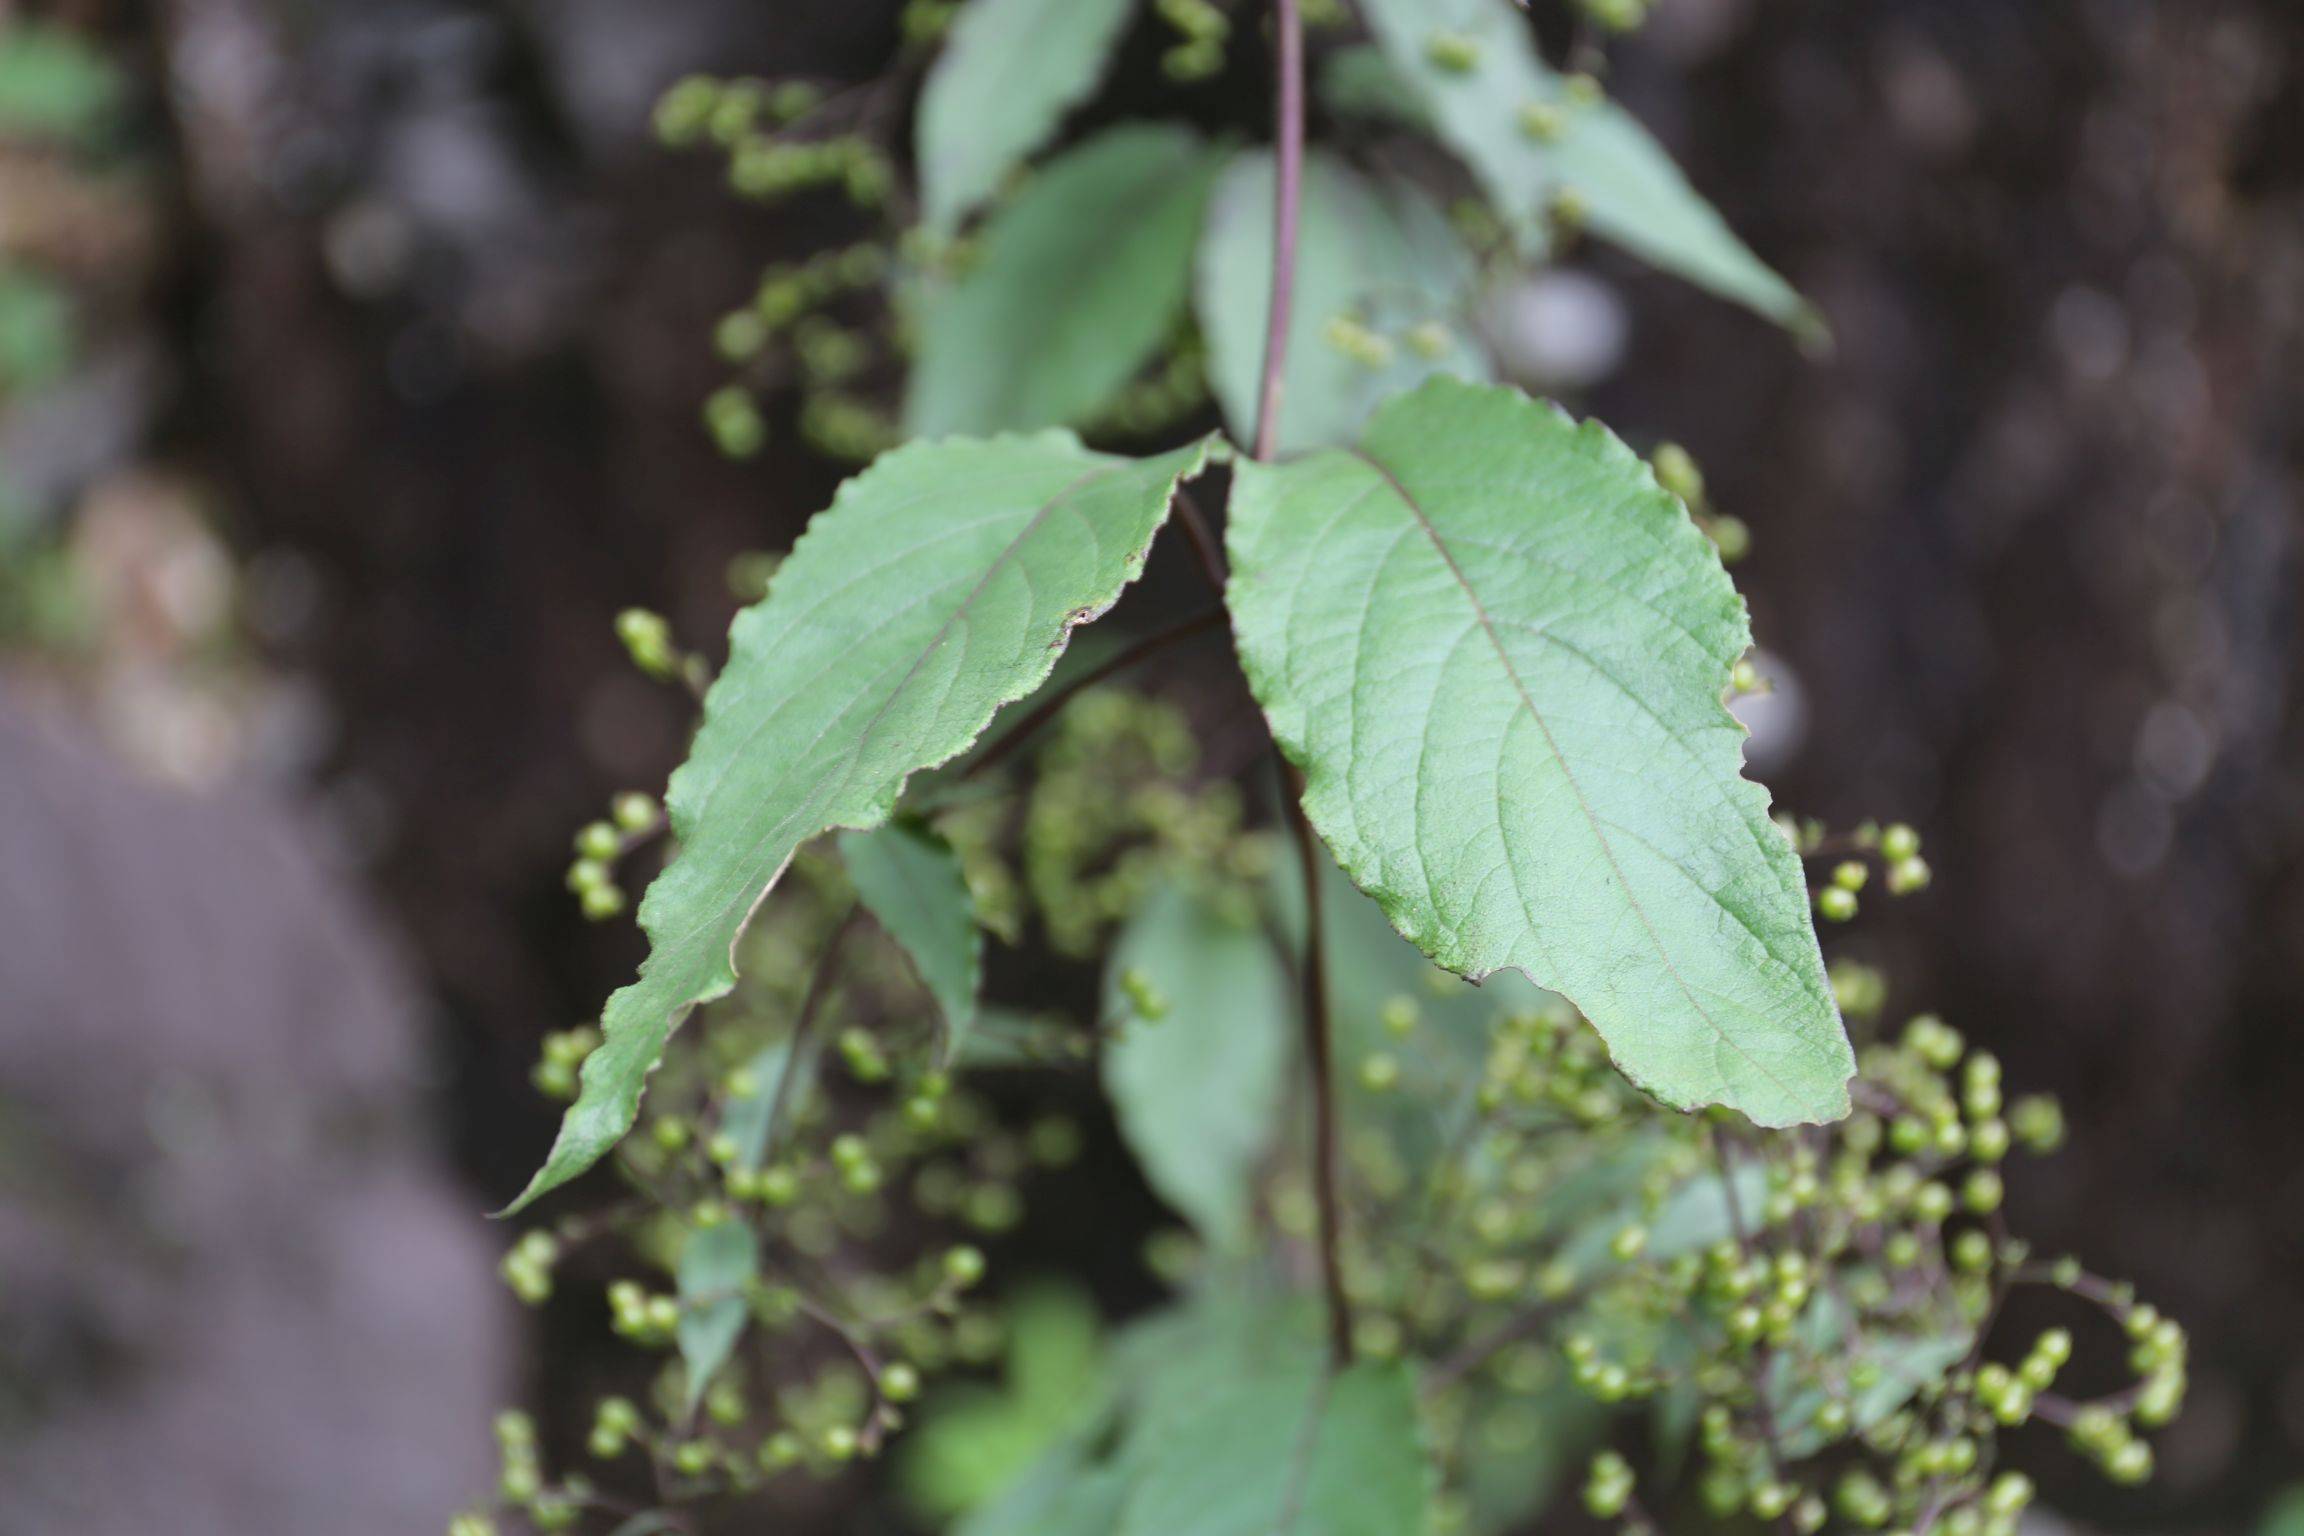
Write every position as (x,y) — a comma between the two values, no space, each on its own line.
(716,1263)
(942,583)
(1498,649)
(1009,72)
(1074,288)
(748,1121)
(1375,253)
(1632,192)
(910,880)
(1198,1090)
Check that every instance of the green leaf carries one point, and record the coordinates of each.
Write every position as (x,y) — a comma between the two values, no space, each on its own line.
(1498,649)
(1906,1364)
(1372,971)
(1632,192)
(1198,1090)
(38,334)
(1077,284)
(911,882)
(942,583)
(1304,1453)
(748,1121)
(1379,254)
(715,1264)
(2286,1516)
(54,84)
(1692,1218)
(981,1447)
(1357,81)
(1063,1494)
(1009,72)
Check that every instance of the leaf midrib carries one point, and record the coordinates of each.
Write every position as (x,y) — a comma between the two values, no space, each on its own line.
(1567,771)
(864,735)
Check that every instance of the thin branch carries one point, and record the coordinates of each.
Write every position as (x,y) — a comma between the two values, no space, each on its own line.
(1319,1047)
(1763,1357)
(1288,187)
(1203,540)
(1128,656)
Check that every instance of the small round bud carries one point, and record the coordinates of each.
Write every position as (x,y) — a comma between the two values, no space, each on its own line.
(1543,122)
(1836,904)
(1677,472)
(963,1266)
(1453,51)
(899,1382)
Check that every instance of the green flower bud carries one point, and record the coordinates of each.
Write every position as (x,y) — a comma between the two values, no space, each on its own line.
(963,1266)
(1453,51)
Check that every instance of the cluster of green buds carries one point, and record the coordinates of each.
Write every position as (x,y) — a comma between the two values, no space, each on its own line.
(785,331)
(647,639)
(1109,813)
(527,1267)
(1677,471)
(1895,848)
(924,22)
(771,134)
(521,1485)
(1615,15)
(1817,1305)
(563,1054)
(809,1179)
(633,819)
(1202,31)
(1376,350)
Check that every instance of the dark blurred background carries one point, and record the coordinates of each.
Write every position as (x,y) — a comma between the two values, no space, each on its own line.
(374,396)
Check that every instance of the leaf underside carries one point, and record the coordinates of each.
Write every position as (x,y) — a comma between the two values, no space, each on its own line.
(942,583)
(1498,649)
(1632,192)
(911,882)
(1197,1092)
(1075,286)
(1009,72)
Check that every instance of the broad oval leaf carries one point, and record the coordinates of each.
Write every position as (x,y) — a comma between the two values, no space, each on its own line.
(1075,286)
(1197,1091)
(1631,191)
(911,882)
(1377,253)
(942,583)
(1009,72)
(1498,649)
(1291,1453)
